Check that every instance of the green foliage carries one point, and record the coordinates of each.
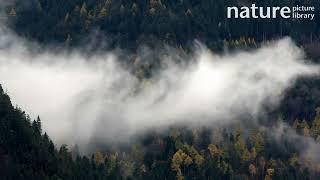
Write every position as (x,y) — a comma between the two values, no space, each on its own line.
(27,153)
(130,23)
(316,124)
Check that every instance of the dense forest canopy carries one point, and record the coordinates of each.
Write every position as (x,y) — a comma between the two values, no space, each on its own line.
(130,23)
(276,150)
(181,153)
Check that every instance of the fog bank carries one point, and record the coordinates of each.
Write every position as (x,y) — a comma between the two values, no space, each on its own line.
(81,99)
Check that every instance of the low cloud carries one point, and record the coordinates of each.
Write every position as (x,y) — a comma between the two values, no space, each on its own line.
(307,147)
(82,99)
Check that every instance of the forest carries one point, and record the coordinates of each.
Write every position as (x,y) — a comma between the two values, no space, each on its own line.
(130,23)
(180,153)
(285,148)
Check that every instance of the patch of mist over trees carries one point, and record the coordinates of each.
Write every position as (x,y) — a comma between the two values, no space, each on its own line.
(181,153)
(234,153)
(108,24)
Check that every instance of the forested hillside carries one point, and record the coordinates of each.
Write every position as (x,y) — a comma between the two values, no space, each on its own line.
(130,23)
(286,146)
(109,24)
(181,153)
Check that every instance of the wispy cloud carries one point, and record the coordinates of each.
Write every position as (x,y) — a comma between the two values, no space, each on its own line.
(81,99)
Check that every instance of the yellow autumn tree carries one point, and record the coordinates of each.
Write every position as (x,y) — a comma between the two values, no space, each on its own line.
(252,170)
(98,157)
(103,13)
(179,159)
(269,174)
(315,130)
(83,10)
(12,12)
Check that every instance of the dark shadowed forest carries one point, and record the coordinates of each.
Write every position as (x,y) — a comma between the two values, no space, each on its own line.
(283,144)
(131,23)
